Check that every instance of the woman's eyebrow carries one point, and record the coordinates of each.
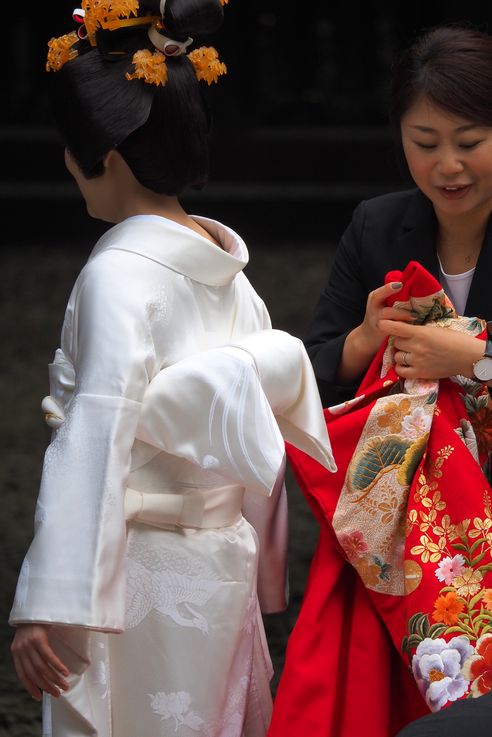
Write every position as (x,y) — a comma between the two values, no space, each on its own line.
(461,129)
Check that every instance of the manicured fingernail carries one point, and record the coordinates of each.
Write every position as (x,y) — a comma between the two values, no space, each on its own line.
(396,285)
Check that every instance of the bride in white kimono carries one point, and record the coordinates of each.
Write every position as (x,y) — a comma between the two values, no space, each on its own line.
(137,602)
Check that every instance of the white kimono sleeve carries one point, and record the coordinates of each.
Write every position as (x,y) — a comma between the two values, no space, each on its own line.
(73,573)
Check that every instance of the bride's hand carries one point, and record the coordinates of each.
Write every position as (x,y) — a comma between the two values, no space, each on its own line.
(38,667)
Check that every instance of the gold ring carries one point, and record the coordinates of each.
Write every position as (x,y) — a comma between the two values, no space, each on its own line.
(404,361)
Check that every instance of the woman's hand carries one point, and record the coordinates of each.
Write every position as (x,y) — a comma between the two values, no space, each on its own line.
(428,352)
(363,342)
(38,668)
(376,310)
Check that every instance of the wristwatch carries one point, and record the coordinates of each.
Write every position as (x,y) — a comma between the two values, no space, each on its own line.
(482,369)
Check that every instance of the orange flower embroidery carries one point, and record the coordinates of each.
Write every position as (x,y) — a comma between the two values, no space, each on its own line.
(447,608)
(369,572)
(487,599)
(394,414)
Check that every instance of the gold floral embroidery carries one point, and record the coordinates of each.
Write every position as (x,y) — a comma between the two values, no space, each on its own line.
(435,468)
(482,527)
(435,503)
(468,583)
(427,519)
(423,488)
(394,414)
(445,529)
(428,550)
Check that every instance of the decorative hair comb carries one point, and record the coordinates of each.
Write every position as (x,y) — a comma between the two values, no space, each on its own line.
(148,66)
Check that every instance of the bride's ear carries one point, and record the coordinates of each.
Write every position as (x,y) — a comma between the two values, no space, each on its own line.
(110,159)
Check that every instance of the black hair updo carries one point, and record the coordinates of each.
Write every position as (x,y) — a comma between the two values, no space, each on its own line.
(160,131)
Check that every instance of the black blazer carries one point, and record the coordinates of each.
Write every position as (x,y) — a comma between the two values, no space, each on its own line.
(466,716)
(385,234)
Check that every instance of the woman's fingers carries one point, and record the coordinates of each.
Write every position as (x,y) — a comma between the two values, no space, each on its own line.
(52,659)
(378,297)
(47,674)
(399,329)
(396,314)
(36,676)
(37,665)
(26,681)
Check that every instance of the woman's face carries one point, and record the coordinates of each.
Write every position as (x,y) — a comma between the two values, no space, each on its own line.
(450,159)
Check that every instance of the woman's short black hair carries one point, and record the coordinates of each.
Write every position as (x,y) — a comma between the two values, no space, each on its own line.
(161,131)
(452,67)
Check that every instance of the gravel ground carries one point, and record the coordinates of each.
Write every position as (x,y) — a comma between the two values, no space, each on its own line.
(35,284)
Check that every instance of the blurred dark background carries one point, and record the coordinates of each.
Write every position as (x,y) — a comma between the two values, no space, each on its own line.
(300,130)
(300,137)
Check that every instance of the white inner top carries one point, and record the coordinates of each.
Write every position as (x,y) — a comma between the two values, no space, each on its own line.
(457,287)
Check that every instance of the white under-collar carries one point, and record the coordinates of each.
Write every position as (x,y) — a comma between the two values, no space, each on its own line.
(180,248)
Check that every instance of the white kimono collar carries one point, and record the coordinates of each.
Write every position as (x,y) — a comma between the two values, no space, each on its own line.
(180,248)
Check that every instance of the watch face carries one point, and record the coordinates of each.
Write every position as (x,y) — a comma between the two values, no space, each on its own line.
(483,369)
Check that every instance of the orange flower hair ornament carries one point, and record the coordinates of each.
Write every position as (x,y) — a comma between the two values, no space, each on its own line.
(208,66)
(112,15)
(60,50)
(148,66)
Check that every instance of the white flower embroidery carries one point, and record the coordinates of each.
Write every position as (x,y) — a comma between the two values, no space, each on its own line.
(416,424)
(420,386)
(176,705)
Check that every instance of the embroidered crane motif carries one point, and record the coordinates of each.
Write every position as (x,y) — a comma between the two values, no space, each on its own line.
(168,592)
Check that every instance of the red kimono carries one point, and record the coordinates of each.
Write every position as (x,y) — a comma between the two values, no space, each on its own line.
(397,614)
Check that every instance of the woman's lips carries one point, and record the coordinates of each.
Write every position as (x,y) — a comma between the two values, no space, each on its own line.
(455,191)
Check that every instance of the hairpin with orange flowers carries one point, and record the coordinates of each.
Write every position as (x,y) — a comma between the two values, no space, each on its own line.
(149,66)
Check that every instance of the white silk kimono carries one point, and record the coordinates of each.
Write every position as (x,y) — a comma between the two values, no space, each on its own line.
(142,560)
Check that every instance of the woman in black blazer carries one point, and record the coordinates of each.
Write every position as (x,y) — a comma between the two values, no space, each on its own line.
(441,101)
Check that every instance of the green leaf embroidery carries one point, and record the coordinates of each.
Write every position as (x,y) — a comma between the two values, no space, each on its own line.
(378,456)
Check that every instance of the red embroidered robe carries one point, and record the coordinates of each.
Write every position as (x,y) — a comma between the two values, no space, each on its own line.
(397,614)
